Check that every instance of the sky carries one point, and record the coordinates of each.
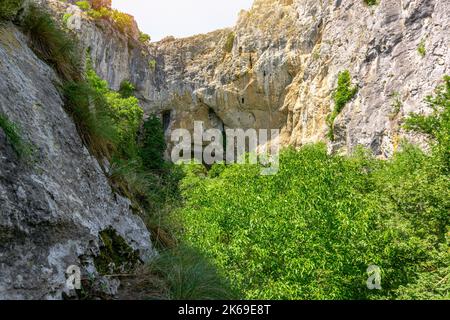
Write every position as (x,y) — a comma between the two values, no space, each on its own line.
(182,18)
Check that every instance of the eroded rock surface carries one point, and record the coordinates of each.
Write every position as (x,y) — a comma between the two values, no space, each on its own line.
(54,206)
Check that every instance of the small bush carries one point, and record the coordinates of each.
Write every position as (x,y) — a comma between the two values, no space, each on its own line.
(144,38)
(229,43)
(371,2)
(102,13)
(52,44)
(66,18)
(94,123)
(126,89)
(123,21)
(152,64)
(124,113)
(9,9)
(421,48)
(83,5)
(436,125)
(341,96)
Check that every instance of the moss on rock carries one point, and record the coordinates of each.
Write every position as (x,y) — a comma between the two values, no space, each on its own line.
(115,256)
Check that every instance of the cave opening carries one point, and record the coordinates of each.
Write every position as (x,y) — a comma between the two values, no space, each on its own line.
(166,117)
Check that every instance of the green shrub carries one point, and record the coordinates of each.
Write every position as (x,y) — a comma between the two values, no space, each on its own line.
(341,96)
(229,43)
(83,5)
(102,13)
(66,18)
(123,21)
(9,9)
(421,48)
(437,124)
(371,2)
(127,89)
(124,115)
(144,38)
(152,64)
(91,115)
(52,44)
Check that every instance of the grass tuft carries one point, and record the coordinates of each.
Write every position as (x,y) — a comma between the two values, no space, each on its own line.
(52,44)
(13,136)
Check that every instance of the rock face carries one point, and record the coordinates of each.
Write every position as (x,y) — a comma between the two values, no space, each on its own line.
(278,68)
(284,61)
(53,209)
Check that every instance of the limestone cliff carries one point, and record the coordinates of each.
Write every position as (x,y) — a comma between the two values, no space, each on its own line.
(285,59)
(278,68)
(56,210)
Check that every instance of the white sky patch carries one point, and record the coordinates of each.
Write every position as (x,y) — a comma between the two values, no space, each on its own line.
(182,18)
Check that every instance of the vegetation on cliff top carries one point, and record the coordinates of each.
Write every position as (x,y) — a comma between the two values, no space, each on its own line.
(123,22)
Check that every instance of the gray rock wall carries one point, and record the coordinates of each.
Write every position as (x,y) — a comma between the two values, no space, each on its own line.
(51,210)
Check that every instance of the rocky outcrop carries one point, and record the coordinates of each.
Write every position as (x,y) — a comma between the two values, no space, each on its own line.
(54,208)
(285,59)
(278,68)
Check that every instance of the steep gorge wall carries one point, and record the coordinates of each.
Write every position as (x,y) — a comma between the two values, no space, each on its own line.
(54,207)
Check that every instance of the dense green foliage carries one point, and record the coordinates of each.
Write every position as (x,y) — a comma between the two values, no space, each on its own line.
(9,9)
(436,125)
(343,94)
(127,89)
(311,231)
(153,144)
